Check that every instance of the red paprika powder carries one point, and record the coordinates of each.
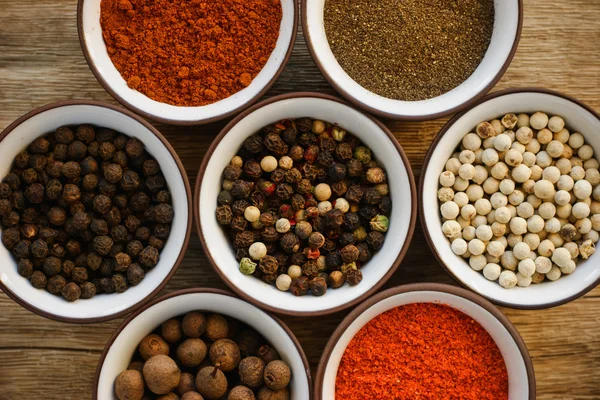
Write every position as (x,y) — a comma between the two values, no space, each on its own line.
(422,351)
(192,52)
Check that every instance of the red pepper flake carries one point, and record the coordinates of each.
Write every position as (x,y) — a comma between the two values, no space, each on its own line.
(422,351)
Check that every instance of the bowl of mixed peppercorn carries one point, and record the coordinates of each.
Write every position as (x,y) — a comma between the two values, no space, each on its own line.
(304,205)
(94,211)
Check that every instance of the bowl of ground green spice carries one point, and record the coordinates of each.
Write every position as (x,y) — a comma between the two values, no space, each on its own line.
(410,59)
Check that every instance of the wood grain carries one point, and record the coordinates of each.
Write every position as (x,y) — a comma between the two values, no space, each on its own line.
(41,62)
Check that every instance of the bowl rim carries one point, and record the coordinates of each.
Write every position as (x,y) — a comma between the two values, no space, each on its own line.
(409,233)
(183,292)
(425,117)
(100,78)
(433,146)
(188,191)
(423,287)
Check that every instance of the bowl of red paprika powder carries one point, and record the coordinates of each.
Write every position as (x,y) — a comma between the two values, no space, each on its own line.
(189,62)
(425,340)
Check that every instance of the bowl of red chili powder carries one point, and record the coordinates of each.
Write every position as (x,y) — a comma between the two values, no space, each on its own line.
(425,341)
(187,62)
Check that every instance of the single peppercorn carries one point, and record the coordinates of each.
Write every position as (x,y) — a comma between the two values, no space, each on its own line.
(71,292)
(353,276)
(88,290)
(135,274)
(38,280)
(268,264)
(300,286)
(375,240)
(290,243)
(318,286)
(149,257)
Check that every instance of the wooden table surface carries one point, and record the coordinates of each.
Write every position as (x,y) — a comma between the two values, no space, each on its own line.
(41,62)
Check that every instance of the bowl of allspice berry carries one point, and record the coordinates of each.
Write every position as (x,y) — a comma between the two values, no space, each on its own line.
(202,344)
(304,205)
(95,211)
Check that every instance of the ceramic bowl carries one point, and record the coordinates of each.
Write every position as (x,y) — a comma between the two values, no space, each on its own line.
(579,118)
(385,148)
(521,376)
(503,45)
(102,307)
(94,49)
(124,342)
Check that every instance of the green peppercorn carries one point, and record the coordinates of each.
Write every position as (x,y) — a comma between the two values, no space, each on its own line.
(247,266)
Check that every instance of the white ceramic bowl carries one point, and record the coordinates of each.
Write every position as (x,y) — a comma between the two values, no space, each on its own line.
(521,378)
(102,307)
(503,45)
(579,118)
(385,149)
(94,49)
(124,342)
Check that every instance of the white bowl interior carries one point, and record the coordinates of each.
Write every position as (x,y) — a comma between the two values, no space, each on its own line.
(383,150)
(92,33)
(577,119)
(518,385)
(124,346)
(101,305)
(503,38)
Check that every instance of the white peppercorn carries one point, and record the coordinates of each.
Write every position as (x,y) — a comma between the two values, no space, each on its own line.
(522,280)
(460,184)
(474,193)
(481,174)
(582,189)
(516,197)
(283,282)
(268,164)
(563,211)
(526,267)
(484,233)
(483,206)
(466,171)
(500,170)
(538,278)
(478,221)
(585,152)
(491,185)
(525,210)
(477,263)
(502,142)
(529,159)
(577,173)
(461,199)
(294,271)
(556,124)
(468,212)
(488,143)
(591,163)
(490,157)
(325,206)
(476,247)
(513,210)
(555,149)
(453,165)
(521,173)
(534,146)
(580,210)
(257,250)
(495,248)
(592,236)
(561,257)
(507,186)
(498,200)
(520,147)
(471,141)
(556,239)
(283,225)
(522,120)
(466,157)
(569,268)
(492,271)
(497,125)
(342,205)
(538,121)
(518,226)
(535,224)
(532,240)
(286,162)
(583,225)
(503,215)
(498,229)
(451,228)
(544,189)
(595,207)
(459,246)
(586,249)
(463,222)
(576,162)
(469,232)
(513,157)
(509,261)
(491,217)
(521,250)
(524,134)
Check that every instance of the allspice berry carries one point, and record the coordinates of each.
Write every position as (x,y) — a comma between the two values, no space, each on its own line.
(137,366)
(153,345)
(211,383)
(171,330)
(161,374)
(267,394)
(251,371)
(277,375)
(225,355)
(241,393)
(168,396)
(186,384)
(192,396)
(193,324)
(267,354)
(191,352)
(216,327)
(129,385)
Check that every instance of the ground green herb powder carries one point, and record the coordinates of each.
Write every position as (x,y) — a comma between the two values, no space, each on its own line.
(409,49)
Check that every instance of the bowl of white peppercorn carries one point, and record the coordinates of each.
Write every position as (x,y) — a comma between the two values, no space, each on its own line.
(510,198)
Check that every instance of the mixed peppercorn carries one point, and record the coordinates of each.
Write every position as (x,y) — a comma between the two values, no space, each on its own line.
(205,356)
(85,210)
(305,205)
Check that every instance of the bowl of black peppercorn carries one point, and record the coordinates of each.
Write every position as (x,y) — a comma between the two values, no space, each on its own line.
(95,211)
(304,205)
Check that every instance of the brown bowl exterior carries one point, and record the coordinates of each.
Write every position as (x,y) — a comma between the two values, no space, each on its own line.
(358,103)
(422,287)
(106,86)
(254,301)
(426,164)
(180,293)
(22,302)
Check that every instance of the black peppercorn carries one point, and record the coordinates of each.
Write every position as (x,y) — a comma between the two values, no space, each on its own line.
(385,205)
(275,145)
(224,215)
(39,249)
(290,243)
(155,183)
(105,135)
(52,266)
(119,233)
(252,170)
(35,193)
(300,286)
(367,213)
(105,284)
(268,265)
(284,191)
(269,234)
(38,280)
(354,193)
(134,148)
(21,249)
(71,193)
(346,238)
(151,168)
(353,276)
(29,176)
(149,257)
(25,268)
(253,144)
(112,217)
(292,175)
(296,153)
(244,239)
(134,248)
(304,124)
(38,162)
(318,286)
(71,292)
(310,269)
(89,183)
(79,275)
(349,254)
(163,213)
(375,240)
(164,196)
(289,135)
(102,244)
(5,190)
(88,290)
(135,274)
(130,181)
(162,231)
(241,189)
(93,261)
(139,202)
(11,219)
(372,196)
(81,221)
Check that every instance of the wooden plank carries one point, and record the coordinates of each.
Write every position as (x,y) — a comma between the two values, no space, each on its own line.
(41,62)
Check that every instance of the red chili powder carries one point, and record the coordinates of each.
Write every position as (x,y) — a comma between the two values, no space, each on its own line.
(190,52)
(422,351)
